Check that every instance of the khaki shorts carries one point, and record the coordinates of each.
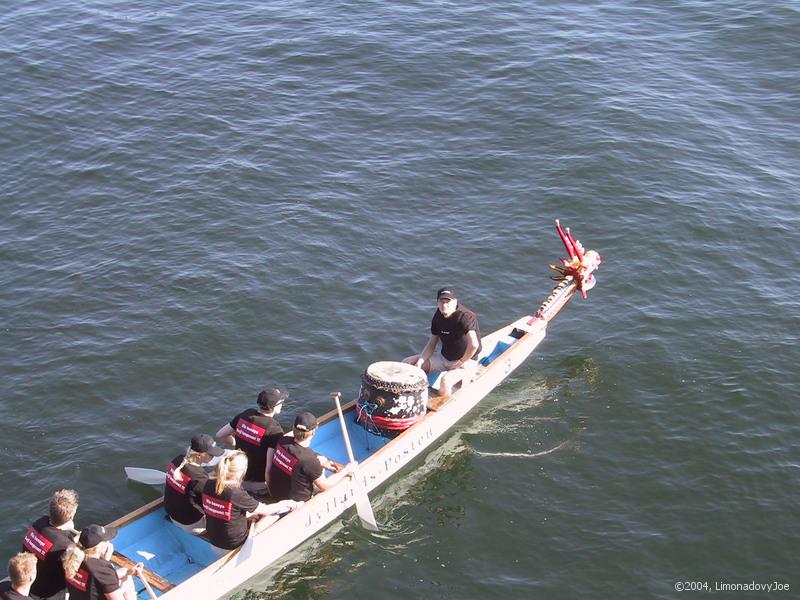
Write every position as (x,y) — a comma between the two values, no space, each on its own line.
(440,363)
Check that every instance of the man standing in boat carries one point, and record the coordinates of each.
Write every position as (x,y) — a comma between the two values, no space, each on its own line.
(256,432)
(47,539)
(296,468)
(458,330)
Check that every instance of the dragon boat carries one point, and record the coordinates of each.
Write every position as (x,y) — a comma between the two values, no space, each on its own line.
(180,566)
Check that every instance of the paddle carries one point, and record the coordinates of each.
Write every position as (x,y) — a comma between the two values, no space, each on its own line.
(156,477)
(363,507)
(246,550)
(147,586)
(146,476)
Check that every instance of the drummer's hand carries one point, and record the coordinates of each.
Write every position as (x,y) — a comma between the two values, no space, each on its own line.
(420,362)
(136,569)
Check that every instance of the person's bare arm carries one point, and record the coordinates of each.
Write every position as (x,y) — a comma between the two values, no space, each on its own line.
(472,346)
(225,435)
(326,483)
(276,508)
(427,351)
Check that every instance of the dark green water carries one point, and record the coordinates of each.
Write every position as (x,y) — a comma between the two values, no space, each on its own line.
(203,198)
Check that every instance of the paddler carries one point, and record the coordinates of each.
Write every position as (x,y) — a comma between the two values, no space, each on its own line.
(296,468)
(256,432)
(47,539)
(90,573)
(228,507)
(457,328)
(21,573)
(185,480)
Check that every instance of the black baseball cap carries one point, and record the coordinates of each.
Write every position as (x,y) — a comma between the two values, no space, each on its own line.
(94,534)
(270,398)
(202,442)
(446,292)
(305,421)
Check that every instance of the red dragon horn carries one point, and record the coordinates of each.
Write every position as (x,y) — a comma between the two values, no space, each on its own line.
(575,244)
(566,240)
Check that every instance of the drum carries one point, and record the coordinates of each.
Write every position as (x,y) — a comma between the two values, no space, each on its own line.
(394,396)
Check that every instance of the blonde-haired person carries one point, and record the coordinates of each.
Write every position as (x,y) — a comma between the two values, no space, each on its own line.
(47,539)
(186,477)
(21,573)
(228,506)
(90,573)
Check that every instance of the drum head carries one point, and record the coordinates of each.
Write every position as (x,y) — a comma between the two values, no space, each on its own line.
(398,373)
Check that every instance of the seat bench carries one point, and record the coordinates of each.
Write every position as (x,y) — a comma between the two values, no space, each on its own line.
(155,580)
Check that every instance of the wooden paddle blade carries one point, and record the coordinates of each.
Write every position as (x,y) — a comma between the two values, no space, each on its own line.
(363,507)
(146,476)
(246,550)
(364,510)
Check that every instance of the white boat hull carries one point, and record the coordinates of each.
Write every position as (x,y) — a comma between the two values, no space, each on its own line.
(227,573)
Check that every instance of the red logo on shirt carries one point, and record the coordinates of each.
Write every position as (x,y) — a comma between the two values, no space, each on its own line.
(284,460)
(249,432)
(37,543)
(80,580)
(176,484)
(219,509)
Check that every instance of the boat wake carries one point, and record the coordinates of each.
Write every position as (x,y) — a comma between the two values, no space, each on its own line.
(564,444)
(427,493)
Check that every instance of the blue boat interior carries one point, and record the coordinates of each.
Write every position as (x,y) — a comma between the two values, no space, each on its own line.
(328,440)
(488,354)
(176,555)
(164,549)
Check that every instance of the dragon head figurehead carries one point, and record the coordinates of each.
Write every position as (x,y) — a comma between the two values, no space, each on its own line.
(580,266)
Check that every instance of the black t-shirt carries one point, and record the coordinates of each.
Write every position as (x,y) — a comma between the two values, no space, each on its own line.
(255,434)
(95,578)
(47,543)
(7,593)
(182,499)
(226,520)
(453,332)
(294,470)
